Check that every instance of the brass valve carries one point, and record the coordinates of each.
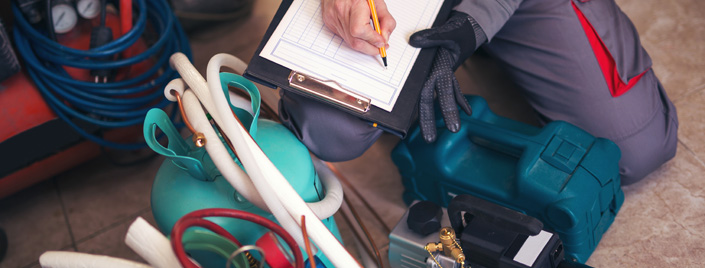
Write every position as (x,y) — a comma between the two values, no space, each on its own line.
(448,246)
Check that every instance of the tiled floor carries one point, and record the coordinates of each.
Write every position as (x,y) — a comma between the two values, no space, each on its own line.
(661,224)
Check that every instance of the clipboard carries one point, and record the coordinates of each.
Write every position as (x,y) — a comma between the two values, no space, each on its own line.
(398,121)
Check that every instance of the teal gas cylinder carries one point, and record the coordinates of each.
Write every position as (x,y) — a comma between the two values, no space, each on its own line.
(188,180)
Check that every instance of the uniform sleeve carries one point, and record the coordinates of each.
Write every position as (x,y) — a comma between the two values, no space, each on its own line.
(490,15)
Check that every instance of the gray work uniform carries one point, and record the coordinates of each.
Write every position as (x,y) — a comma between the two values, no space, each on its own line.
(544,48)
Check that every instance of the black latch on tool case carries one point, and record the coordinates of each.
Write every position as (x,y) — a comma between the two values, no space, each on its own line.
(495,236)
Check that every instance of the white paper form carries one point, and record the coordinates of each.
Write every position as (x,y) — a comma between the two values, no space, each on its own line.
(302,43)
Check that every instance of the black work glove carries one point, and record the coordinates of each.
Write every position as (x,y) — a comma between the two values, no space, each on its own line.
(456,42)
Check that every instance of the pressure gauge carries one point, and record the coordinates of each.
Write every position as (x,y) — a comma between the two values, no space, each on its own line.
(64,18)
(88,9)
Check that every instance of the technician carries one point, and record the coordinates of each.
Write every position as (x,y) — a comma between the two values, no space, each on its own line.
(579,61)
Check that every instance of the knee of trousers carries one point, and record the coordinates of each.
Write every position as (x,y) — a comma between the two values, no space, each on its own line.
(648,149)
(329,133)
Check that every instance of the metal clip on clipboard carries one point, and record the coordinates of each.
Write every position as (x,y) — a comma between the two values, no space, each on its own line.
(330,91)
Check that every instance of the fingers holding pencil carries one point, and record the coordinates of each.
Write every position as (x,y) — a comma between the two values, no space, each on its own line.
(350,19)
(386,21)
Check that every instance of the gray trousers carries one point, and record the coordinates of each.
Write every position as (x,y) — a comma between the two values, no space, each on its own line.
(542,45)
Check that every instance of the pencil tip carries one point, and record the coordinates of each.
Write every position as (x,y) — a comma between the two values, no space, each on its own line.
(384,59)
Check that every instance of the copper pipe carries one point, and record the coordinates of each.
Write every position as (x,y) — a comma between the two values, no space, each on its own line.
(311,260)
(198,138)
(270,112)
(227,140)
(357,236)
(364,229)
(359,196)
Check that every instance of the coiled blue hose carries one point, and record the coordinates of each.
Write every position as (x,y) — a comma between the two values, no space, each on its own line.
(108,105)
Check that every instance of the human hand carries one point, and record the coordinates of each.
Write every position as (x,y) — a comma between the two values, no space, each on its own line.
(456,42)
(350,19)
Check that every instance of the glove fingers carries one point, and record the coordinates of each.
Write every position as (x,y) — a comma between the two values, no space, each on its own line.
(449,109)
(460,98)
(446,92)
(427,119)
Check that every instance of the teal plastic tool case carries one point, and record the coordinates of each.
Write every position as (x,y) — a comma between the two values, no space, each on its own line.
(559,174)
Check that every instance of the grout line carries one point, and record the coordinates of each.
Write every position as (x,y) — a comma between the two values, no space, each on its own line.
(692,152)
(36,262)
(33,264)
(66,215)
(114,224)
(688,93)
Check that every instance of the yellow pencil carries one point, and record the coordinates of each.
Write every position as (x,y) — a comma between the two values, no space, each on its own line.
(375,20)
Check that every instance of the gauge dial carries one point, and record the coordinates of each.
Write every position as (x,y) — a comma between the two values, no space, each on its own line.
(64,18)
(88,9)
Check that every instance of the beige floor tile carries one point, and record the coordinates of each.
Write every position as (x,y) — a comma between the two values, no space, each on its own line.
(36,264)
(34,222)
(99,193)
(691,118)
(111,242)
(661,223)
(236,38)
(673,33)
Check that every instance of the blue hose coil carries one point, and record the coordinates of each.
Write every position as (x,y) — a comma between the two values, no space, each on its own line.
(112,104)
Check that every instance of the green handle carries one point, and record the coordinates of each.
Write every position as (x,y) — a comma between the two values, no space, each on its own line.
(231,79)
(177,149)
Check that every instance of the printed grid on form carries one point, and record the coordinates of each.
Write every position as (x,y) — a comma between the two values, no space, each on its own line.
(301,42)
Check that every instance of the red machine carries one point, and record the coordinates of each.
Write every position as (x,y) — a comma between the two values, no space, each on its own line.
(34,143)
